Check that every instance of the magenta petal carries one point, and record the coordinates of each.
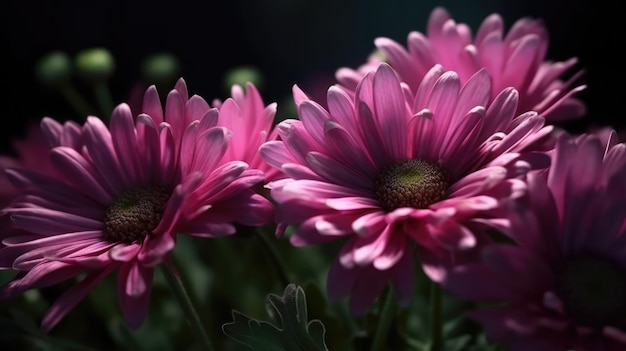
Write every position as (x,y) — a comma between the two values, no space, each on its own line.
(453,236)
(476,282)
(135,308)
(313,117)
(402,276)
(152,104)
(392,107)
(340,281)
(369,248)
(507,260)
(399,58)
(368,286)
(155,249)
(136,280)
(352,203)
(124,253)
(84,177)
(370,223)
(337,172)
(275,153)
(393,252)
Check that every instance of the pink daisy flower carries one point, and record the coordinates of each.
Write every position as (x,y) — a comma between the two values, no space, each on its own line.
(516,59)
(251,121)
(388,168)
(117,203)
(562,284)
(32,152)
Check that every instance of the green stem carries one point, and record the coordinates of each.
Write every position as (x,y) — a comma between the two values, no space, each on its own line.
(277,259)
(78,103)
(103,96)
(436,318)
(384,322)
(190,312)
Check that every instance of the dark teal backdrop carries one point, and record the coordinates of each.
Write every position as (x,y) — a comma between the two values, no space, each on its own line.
(290,41)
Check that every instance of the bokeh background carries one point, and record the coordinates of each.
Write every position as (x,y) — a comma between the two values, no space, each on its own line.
(289,42)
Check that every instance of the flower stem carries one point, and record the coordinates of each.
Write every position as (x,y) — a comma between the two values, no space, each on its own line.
(103,96)
(384,322)
(436,321)
(78,103)
(277,259)
(183,298)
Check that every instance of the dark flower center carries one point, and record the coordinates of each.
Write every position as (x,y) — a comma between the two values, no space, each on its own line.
(412,183)
(135,214)
(593,290)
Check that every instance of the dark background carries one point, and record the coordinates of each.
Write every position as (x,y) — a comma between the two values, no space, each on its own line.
(288,41)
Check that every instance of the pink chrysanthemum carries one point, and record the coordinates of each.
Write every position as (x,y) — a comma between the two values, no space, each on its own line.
(32,152)
(562,284)
(517,59)
(388,168)
(251,122)
(117,203)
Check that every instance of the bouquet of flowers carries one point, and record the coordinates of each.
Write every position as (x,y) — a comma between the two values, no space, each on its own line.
(428,202)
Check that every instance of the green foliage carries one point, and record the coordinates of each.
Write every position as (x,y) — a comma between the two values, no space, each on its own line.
(290,330)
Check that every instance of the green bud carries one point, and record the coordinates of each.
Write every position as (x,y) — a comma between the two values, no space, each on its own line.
(379,54)
(242,75)
(95,64)
(161,69)
(54,68)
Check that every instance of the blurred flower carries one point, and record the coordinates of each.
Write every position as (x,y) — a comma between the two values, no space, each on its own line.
(516,60)
(32,152)
(251,121)
(387,169)
(117,203)
(562,284)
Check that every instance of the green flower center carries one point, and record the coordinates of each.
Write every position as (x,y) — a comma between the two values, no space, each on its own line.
(135,214)
(593,290)
(412,183)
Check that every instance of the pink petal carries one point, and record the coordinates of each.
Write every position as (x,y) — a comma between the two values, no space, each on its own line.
(390,111)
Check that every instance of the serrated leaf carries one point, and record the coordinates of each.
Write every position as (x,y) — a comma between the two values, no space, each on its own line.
(289,330)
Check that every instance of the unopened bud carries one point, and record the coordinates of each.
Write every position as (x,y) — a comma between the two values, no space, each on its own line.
(54,68)
(242,75)
(161,69)
(95,64)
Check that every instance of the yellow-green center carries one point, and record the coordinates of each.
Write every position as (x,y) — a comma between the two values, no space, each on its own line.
(412,183)
(135,214)
(593,290)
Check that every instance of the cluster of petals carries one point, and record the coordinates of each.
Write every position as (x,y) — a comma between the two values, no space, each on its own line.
(535,296)
(515,59)
(251,122)
(331,157)
(31,151)
(59,217)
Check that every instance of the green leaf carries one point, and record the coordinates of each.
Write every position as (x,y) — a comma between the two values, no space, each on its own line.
(459,343)
(290,330)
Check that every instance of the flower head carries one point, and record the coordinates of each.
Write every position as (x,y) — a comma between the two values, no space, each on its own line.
(252,123)
(561,284)
(32,152)
(516,59)
(117,202)
(388,169)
